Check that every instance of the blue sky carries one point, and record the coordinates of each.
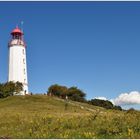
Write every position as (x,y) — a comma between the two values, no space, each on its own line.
(92,45)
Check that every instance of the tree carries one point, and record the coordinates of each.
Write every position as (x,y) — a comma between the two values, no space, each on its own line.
(57,90)
(10,88)
(18,87)
(76,94)
(72,93)
(104,103)
(117,108)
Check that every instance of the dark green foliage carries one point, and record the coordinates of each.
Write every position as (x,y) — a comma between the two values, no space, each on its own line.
(76,97)
(117,108)
(57,90)
(10,88)
(74,90)
(104,103)
(18,87)
(76,94)
(72,93)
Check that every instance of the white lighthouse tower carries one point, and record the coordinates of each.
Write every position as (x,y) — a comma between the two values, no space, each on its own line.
(17,60)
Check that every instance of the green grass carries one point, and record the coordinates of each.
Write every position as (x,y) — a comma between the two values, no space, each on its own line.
(49,117)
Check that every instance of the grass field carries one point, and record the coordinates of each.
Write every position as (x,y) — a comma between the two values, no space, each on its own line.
(40,116)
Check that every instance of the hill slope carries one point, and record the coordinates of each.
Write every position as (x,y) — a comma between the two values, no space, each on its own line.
(49,117)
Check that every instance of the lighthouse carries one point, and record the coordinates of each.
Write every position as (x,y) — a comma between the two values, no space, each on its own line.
(17,60)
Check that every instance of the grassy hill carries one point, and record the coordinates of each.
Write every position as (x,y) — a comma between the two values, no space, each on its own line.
(39,116)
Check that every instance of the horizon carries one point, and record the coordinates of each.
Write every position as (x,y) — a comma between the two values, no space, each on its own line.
(92,45)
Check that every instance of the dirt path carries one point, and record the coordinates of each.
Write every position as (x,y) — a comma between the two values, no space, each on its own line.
(78,105)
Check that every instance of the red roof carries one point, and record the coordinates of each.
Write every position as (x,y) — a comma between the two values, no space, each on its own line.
(17,30)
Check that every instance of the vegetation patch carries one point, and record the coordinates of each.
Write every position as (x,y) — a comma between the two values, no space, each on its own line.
(40,116)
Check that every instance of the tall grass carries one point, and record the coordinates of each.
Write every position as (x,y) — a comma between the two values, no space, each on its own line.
(46,117)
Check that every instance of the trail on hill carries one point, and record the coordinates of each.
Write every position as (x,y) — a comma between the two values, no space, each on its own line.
(78,105)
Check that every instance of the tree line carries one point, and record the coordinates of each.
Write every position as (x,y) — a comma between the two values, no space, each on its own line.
(76,94)
(72,93)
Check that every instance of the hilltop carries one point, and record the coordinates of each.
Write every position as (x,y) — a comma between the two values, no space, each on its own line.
(40,116)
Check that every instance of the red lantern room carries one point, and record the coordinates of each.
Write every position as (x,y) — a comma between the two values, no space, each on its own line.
(17,38)
(17,33)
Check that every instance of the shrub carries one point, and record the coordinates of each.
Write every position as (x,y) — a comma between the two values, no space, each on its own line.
(104,103)
(57,90)
(10,88)
(73,93)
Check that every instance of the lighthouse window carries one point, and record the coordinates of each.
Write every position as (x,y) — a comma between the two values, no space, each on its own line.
(23,61)
(16,36)
(24,71)
(23,51)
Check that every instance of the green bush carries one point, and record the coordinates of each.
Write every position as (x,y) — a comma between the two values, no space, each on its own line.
(10,88)
(104,103)
(73,93)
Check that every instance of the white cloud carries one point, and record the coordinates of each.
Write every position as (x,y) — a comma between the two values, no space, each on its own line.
(101,98)
(127,98)
(123,99)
